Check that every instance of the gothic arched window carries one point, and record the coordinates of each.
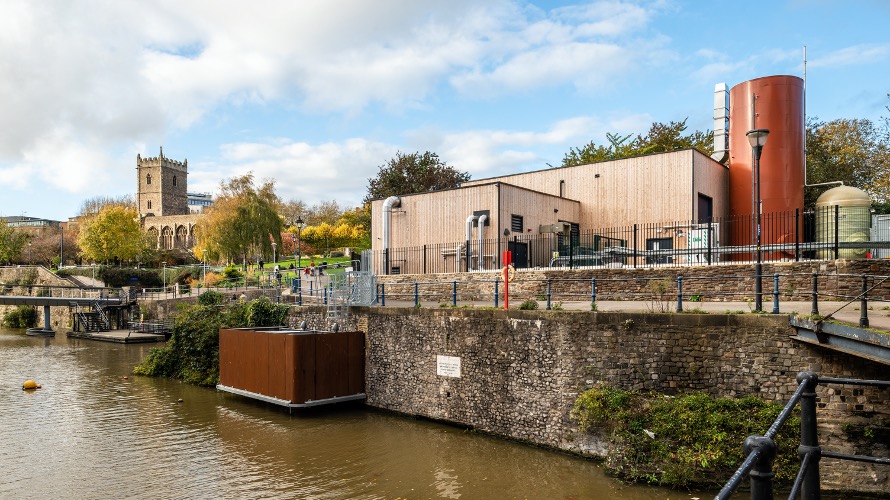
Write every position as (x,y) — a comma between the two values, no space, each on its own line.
(149,204)
(148,179)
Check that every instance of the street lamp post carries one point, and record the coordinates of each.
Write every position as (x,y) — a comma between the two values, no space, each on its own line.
(164,275)
(757,138)
(299,242)
(204,267)
(30,261)
(274,262)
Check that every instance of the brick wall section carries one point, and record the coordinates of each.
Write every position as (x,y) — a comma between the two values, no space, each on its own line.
(732,282)
(523,370)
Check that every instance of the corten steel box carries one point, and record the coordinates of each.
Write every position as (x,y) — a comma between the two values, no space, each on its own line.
(292,368)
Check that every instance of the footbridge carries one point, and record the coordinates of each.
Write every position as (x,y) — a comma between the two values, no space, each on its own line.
(96,299)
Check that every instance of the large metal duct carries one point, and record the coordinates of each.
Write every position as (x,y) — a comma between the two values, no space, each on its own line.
(721,123)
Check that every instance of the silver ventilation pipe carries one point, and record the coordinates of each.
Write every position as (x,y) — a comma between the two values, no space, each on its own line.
(482,219)
(469,238)
(388,205)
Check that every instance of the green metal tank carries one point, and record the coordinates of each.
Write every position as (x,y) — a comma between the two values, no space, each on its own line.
(853,220)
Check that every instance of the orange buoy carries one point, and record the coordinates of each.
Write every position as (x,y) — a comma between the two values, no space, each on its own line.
(30,384)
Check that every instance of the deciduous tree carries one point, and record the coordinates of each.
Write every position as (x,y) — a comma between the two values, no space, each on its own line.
(12,242)
(854,151)
(413,173)
(242,222)
(660,138)
(112,234)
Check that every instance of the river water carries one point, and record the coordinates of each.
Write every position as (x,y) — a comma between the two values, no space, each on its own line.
(91,433)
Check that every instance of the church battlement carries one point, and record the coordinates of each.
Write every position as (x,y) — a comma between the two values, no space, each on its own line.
(161,161)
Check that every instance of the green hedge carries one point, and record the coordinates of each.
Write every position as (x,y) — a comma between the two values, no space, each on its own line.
(682,441)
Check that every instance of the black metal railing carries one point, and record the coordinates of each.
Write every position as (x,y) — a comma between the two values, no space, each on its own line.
(671,292)
(827,233)
(761,450)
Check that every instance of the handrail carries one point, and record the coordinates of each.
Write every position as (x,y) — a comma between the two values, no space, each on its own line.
(676,289)
(806,482)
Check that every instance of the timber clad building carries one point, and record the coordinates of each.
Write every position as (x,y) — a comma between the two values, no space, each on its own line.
(679,185)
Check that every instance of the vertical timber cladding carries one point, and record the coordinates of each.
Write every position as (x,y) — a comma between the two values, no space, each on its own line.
(521,371)
(651,188)
(441,216)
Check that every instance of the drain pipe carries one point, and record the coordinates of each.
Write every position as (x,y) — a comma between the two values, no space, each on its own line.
(388,205)
(470,220)
(482,219)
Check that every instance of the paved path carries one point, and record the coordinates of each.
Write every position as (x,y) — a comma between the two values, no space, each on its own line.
(878,313)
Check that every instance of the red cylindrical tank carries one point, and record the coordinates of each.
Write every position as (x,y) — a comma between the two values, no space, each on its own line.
(774,103)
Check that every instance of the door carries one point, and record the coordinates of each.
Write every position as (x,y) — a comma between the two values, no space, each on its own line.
(657,244)
(520,253)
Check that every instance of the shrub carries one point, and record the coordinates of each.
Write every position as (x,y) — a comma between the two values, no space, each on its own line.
(231,272)
(192,353)
(210,298)
(21,317)
(337,253)
(529,305)
(686,440)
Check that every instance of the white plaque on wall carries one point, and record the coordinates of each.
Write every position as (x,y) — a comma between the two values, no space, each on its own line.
(448,366)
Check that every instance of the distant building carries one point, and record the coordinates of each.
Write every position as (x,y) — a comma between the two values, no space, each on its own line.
(29,222)
(163,201)
(199,202)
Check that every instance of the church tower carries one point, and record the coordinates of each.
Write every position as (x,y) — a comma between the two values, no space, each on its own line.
(162,186)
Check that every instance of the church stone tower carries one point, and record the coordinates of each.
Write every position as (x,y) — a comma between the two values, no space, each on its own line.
(162,186)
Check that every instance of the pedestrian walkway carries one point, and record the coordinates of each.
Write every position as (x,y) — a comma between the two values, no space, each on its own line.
(878,312)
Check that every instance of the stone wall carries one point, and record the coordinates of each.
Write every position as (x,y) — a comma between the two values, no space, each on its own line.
(17,281)
(521,371)
(725,282)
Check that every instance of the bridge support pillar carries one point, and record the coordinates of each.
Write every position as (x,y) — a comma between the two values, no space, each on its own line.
(46,323)
(47,328)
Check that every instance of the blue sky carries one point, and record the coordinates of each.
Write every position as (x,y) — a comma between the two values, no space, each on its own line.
(317,94)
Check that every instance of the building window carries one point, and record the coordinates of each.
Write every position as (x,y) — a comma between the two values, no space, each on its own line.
(516,224)
(149,204)
(174,180)
(148,179)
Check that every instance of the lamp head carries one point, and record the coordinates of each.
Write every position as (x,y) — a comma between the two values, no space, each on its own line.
(757,137)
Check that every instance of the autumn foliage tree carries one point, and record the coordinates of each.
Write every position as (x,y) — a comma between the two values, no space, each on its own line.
(330,236)
(11,242)
(242,222)
(113,234)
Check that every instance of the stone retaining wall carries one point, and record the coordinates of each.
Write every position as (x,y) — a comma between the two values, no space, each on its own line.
(725,282)
(521,371)
(18,281)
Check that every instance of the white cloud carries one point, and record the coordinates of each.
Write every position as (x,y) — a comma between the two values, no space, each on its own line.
(311,173)
(854,55)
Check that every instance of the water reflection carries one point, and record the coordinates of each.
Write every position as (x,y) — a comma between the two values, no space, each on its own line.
(91,433)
